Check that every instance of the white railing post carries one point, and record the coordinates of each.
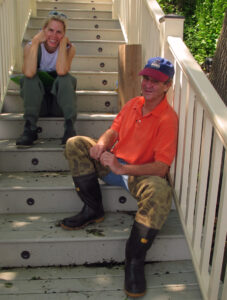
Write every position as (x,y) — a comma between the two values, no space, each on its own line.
(1,61)
(173,26)
(18,53)
(133,30)
(33,8)
(115,9)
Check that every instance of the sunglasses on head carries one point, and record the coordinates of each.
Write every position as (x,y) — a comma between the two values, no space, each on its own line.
(57,14)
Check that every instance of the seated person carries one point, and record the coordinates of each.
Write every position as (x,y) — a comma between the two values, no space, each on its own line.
(135,153)
(52,92)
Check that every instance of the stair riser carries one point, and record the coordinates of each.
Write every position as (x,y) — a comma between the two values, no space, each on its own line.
(97,15)
(89,81)
(97,81)
(60,200)
(80,23)
(80,252)
(97,48)
(54,129)
(82,1)
(85,103)
(98,64)
(94,63)
(87,6)
(33,161)
(84,35)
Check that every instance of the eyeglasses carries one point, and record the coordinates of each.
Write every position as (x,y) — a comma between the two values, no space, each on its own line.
(57,14)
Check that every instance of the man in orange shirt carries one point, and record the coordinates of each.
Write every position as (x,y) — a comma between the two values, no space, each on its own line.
(135,153)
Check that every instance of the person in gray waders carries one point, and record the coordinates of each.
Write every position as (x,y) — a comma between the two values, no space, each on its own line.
(47,88)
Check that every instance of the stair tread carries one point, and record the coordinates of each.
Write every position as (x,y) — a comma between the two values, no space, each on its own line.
(81,29)
(76,10)
(40,180)
(80,116)
(78,92)
(92,42)
(79,19)
(165,280)
(39,145)
(45,228)
(34,180)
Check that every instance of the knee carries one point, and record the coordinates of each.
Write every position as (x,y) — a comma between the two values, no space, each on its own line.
(75,145)
(63,80)
(73,142)
(29,79)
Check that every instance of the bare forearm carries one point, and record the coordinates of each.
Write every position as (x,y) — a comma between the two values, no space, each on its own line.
(108,139)
(105,142)
(30,59)
(65,56)
(31,54)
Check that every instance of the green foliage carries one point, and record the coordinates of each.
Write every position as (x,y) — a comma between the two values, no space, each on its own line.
(203,23)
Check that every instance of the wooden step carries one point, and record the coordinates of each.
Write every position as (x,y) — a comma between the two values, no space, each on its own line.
(91,23)
(89,80)
(98,47)
(95,63)
(79,13)
(87,102)
(83,34)
(46,192)
(41,242)
(11,125)
(165,280)
(81,1)
(57,5)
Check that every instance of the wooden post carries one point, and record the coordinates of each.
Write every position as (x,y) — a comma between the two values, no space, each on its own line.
(129,65)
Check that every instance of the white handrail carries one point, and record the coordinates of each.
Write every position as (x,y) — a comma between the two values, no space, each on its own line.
(14,16)
(204,89)
(199,174)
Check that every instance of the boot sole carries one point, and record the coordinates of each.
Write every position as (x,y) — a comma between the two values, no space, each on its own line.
(24,146)
(84,225)
(134,295)
(27,146)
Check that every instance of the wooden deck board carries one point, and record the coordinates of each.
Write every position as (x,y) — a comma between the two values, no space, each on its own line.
(44,227)
(165,280)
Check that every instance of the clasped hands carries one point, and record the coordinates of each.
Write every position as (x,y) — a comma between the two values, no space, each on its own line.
(106,158)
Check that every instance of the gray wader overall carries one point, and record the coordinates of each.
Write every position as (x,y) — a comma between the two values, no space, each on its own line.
(41,99)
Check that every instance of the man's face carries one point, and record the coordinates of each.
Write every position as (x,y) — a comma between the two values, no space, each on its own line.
(153,89)
(54,33)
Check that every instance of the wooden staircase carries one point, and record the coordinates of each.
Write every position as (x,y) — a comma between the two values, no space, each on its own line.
(38,259)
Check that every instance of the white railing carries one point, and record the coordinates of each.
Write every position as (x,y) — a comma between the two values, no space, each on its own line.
(199,174)
(14,16)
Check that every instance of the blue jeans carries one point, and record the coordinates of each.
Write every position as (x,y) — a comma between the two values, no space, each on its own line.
(118,180)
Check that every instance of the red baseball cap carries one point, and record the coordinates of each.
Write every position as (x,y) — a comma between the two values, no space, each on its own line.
(158,68)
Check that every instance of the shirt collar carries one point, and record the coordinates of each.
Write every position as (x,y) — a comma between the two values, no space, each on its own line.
(156,111)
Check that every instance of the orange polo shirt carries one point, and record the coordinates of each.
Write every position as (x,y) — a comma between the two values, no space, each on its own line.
(148,138)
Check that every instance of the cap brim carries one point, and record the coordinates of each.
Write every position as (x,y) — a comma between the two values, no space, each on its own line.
(155,74)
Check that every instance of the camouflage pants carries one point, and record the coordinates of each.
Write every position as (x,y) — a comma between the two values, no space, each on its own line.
(153,193)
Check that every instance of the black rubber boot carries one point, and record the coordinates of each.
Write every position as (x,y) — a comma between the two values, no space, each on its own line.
(140,240)
(28,136)
(69,131)
(88,189)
